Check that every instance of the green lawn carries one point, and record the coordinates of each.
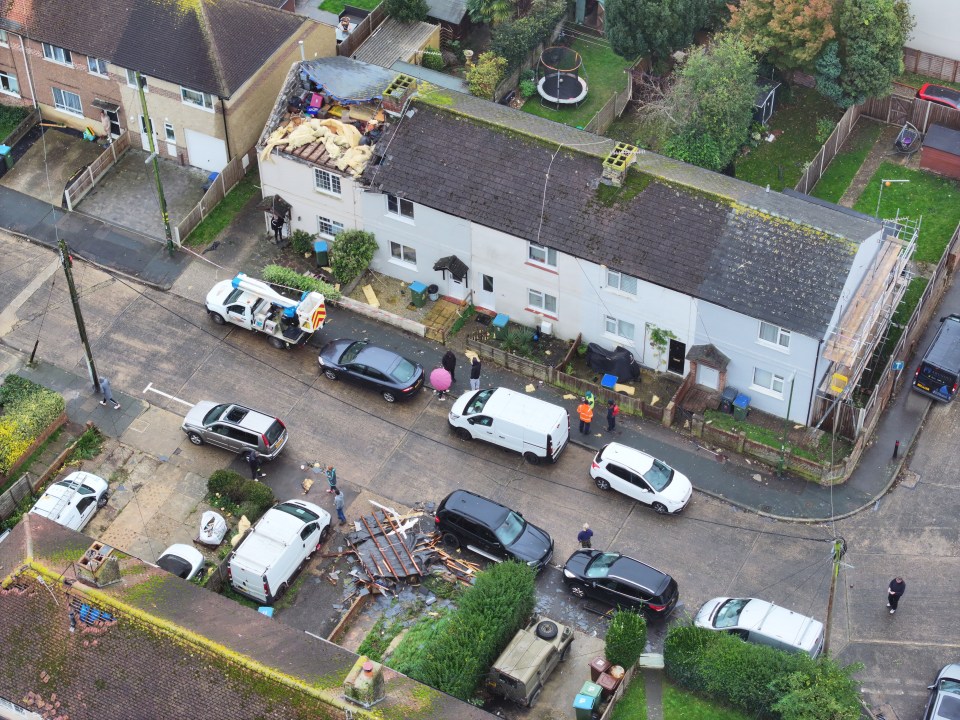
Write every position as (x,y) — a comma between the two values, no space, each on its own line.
(835,181)
(214,223)
(936,199)
(336,6)
(914,80)
(780,163)
(10,117)
(604,72)
(633,704)
(677,705)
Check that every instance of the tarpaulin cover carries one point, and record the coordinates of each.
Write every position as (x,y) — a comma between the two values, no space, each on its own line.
(619,362)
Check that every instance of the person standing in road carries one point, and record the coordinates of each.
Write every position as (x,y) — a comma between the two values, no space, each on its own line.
(253,460)
(896,590)
(586,415)
(449,363)
(332,478)
(475,373)
(107,393)
(584,537)
(338,504)
(612,411)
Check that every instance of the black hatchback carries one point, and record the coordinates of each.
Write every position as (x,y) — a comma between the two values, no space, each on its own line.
(491,529)
(390,374)
(621,581)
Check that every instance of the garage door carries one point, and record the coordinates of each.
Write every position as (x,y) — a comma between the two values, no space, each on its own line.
(206,152)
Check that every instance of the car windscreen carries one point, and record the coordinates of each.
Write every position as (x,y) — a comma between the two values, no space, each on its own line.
(659,475)
(175,564)
(478,402)
(511,528)
(74,485)
(728,615)
(350,354)
(949,685)
(404,371)
(274,432)
(214,414)
(599,567)
(297,511)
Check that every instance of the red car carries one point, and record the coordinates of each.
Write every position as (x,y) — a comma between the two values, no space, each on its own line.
(940,95)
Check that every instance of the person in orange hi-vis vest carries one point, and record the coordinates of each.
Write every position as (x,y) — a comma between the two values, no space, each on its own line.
(586,415)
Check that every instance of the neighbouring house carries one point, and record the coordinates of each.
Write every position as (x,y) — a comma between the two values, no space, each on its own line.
(936,27)
(88,635)
(783,297)
(210,69)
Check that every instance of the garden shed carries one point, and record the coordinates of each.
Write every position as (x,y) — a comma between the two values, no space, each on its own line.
(764,104)
(941,151)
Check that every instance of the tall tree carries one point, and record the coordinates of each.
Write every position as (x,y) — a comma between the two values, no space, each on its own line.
(491,12)
(655,28)
(790,33)
(868,52)
(407,11)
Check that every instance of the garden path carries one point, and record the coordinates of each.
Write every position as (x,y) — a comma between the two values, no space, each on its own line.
(882,150)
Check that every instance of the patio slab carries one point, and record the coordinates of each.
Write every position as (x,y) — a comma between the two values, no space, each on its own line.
(52,159)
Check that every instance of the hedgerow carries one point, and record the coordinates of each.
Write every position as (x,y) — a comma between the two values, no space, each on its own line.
(28,409)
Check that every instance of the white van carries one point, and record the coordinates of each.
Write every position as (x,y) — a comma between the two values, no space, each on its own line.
(536,429)
(276,547)
(762,622)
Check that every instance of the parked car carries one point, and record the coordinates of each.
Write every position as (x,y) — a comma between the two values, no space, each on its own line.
(264,563)
(944,702)
(235,428)
(642,477)
(71,502)
(390,374)
(940,95)
(184,561)
(488,528)
(621,581)
(525,664)
(762,622)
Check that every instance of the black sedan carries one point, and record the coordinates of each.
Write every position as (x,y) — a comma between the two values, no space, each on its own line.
(621,581)
(391,375)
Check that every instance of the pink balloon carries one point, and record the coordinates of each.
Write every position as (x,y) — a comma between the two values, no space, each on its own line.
(440,379)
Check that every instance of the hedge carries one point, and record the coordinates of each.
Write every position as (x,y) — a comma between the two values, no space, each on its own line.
(28,409)
(455,653)
(287,277)
(515,39)
(760,680)
(231,491)
(626,638)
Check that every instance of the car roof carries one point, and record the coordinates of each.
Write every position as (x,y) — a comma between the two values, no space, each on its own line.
(476,507)
(779,622)
(377,357)
(940,91)
(638,573)
(252,420)
(633,458)
(530,412)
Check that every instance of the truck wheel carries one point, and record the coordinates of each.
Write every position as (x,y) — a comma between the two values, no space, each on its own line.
(217,318)
(450,542)
(547,630)
(464,434)
(531,458)
(277,343)
(330,374)
(102,501)
(565,651)
(280,590)
(195,438)
(534,697)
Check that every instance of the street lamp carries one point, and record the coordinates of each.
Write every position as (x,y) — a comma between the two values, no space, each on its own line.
(885,183)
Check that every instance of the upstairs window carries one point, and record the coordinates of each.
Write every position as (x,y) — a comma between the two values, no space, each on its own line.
(326,182)
(621,282)
(774,335)
(541,254)
(132,80)
(399,206)
(96,66)
(57,54)
(196,98)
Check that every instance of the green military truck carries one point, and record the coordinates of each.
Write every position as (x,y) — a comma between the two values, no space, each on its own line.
(522,669)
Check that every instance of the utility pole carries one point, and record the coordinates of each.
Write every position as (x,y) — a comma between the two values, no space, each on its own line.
(839,550)
(156,161)
(67,263)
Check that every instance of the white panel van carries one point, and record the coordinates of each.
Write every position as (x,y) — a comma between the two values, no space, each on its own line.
(536,429)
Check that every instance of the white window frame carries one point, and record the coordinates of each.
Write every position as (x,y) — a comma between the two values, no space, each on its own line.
(4,41)
(617,325)
(205,99)
(540,301)
(51,52)
(541,255)
(770,389)
(399,204)
(334,226)
(327,182)
(782,341)
(615,281)
(398,254)
(12,83)
(61,105)
(169,133)
(95,65)
(132,80)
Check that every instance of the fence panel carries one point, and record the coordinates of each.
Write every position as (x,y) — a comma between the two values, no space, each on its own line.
(831,147)
(936,66)
(77,190)
(361,32)
(228,177)
(11,499)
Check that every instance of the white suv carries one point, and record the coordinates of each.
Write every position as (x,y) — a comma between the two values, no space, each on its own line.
(642,477)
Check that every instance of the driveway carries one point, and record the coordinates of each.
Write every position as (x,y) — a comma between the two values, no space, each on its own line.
(53,157)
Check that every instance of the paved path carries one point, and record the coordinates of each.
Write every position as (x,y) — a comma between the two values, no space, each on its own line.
(882,150)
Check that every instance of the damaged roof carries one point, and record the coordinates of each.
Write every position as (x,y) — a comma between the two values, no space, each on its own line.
(763,254)
(213,46)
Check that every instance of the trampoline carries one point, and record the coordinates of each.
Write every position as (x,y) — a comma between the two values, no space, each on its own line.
(560,82)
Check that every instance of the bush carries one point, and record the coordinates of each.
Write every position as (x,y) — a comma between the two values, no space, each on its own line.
(28,410)
(302,241)
(287,277)
(513,41)
(220,481)
(232,492)
(352,252)
(433,59)
(454,653)
(484,76)
(528,88)
(626,638)
(825,126)
(407,11)
(518,342)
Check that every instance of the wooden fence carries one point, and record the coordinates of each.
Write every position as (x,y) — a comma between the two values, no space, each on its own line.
(362,31)
(15,494)
(612,109)
(831,147)
(91,175)
(923,63)
(896,110)
(228,177)
(25,126)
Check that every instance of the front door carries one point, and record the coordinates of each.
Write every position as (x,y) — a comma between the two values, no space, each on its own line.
(457,289)
(113,118)
(144,133)
(676,357)
(485,297)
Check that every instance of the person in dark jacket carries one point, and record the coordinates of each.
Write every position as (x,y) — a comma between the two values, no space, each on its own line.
(277,225)
(585,537)
(449,363)
(475,373)
(896,590)
(253,460)
(612,411)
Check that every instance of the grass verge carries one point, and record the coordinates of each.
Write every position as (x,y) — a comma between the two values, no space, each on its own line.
(835,181)
(916,80)
(633,704)
(88,446)
(935,199)
(337,6)
(215,223)
(826,451)
(780,163)
(681,705)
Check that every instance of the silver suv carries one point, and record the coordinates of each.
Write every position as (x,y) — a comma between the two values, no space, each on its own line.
(235,428)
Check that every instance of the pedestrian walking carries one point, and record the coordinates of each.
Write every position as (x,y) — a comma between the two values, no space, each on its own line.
(107,393)
(332,478)
(896,590)
(584,537)
(338,504)
(475,373)
(440,382)
(586,415)
(449,363)
(253,460)
(612,411)
(277,225)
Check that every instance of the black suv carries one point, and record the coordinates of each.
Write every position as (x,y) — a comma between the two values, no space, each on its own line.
(492,530)
(621,581)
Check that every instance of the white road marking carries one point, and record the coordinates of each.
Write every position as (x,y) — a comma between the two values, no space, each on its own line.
(150,388)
